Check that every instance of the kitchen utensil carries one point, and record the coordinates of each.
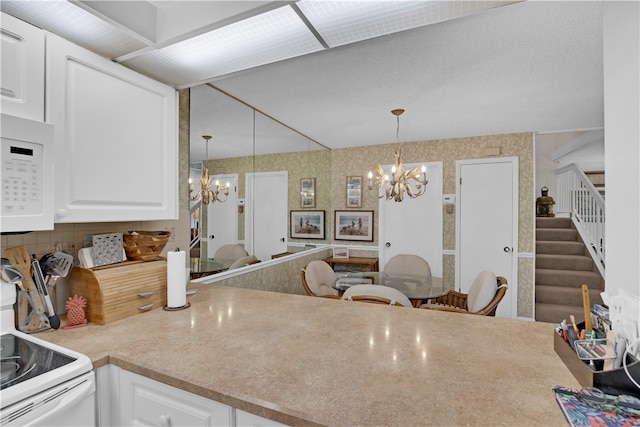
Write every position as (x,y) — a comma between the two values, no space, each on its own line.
(107,249)
(10,274)
(54,321)
(55,266)
(20,259)
(586,305)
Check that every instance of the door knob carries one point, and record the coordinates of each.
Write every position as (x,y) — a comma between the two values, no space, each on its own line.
(388,244)
(282,240)
(212,236)
(507,249)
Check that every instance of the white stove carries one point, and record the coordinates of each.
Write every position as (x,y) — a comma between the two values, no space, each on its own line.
(42,384)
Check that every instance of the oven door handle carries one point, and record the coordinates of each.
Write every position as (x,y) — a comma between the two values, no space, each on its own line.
(68,399)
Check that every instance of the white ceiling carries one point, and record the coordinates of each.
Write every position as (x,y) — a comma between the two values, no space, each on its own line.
(533,66)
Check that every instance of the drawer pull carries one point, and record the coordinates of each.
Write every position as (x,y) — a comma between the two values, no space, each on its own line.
(146,307)
(145,294)
(164,420)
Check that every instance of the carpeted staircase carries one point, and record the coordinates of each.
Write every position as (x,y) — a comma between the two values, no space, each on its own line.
(563,265)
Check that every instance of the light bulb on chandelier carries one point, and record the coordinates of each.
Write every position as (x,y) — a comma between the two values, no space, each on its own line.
(413,182)
(209,192)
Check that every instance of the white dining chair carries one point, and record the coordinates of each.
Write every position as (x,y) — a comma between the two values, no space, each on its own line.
(378,294)
(231,252)
(241,262)
(408,264)
(318,279)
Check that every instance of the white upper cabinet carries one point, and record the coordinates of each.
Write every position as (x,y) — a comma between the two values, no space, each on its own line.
(116,139)
(22,76)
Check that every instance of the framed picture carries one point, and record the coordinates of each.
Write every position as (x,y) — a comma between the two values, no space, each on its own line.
(308,193)
(307,224)
(354,225)
(341,251)
(354,192)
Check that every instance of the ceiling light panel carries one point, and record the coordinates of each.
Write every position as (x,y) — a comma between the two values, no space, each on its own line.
(273,36)
(74,24)
(344,22)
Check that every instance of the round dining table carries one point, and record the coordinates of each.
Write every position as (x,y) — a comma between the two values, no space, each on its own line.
(418,288)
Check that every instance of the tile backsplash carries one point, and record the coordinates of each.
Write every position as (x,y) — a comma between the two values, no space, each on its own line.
(69,239)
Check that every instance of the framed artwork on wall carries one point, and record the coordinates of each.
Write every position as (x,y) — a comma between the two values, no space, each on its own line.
(354,192)
(341,251)
(308,193)
(307,224)
(354,225)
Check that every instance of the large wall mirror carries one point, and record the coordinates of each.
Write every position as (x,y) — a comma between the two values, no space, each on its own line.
(274,174)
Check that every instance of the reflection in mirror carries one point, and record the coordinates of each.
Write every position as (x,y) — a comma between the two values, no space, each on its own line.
(264,161)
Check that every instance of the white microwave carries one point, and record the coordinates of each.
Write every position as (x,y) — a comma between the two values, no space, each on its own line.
(27,175)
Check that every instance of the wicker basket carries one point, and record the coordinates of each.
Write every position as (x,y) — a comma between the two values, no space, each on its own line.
(145,245)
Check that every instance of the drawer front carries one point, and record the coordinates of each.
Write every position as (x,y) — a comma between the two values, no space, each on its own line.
(146,402)
(128,305)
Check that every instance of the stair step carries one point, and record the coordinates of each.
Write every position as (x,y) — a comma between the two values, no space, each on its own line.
(569,278)
(564,262)
(556,313)
(546,294)
(555,234)
(554,222)
(559,247)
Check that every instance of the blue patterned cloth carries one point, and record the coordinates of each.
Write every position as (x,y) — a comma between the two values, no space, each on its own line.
(582,413)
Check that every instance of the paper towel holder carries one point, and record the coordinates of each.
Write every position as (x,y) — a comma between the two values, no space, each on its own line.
(187,305)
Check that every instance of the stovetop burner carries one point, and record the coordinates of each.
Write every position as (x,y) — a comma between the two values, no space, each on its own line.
(22,360)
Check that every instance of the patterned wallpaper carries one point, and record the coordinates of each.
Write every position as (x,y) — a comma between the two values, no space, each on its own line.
(332,168)
(306,164)
(359,160)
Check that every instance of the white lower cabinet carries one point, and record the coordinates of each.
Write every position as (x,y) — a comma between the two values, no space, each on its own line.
(146,402)
(129,399)
(246,419)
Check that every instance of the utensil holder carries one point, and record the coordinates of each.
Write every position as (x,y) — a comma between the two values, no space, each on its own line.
(613,381)
(29,321)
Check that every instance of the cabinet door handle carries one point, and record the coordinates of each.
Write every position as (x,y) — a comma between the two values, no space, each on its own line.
(164,420)
(146,307)
(145,294)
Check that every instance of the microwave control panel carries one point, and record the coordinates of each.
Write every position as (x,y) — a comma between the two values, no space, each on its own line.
(22,192)
(26,173)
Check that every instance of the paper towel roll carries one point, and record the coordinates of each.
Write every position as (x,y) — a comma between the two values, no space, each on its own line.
(176,279)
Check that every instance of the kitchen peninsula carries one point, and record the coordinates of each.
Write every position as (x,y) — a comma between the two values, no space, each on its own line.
(302,360)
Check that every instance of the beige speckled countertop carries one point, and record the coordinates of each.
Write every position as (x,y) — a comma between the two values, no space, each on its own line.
(302,360)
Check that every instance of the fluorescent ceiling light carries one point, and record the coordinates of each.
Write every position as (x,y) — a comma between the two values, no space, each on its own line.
(74,23)
(344,22)
(272,36)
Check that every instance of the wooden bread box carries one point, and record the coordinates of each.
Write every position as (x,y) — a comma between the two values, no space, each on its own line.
(117,291)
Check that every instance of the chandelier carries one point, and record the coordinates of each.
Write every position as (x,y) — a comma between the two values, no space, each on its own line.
(209,192)
(395,185)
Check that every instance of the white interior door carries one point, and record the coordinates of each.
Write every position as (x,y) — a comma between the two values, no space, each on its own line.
(414,226)
(222,218)
(487,224)
(266,215)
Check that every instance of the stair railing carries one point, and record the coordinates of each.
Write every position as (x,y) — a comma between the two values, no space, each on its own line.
(578,197)
(195,224)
